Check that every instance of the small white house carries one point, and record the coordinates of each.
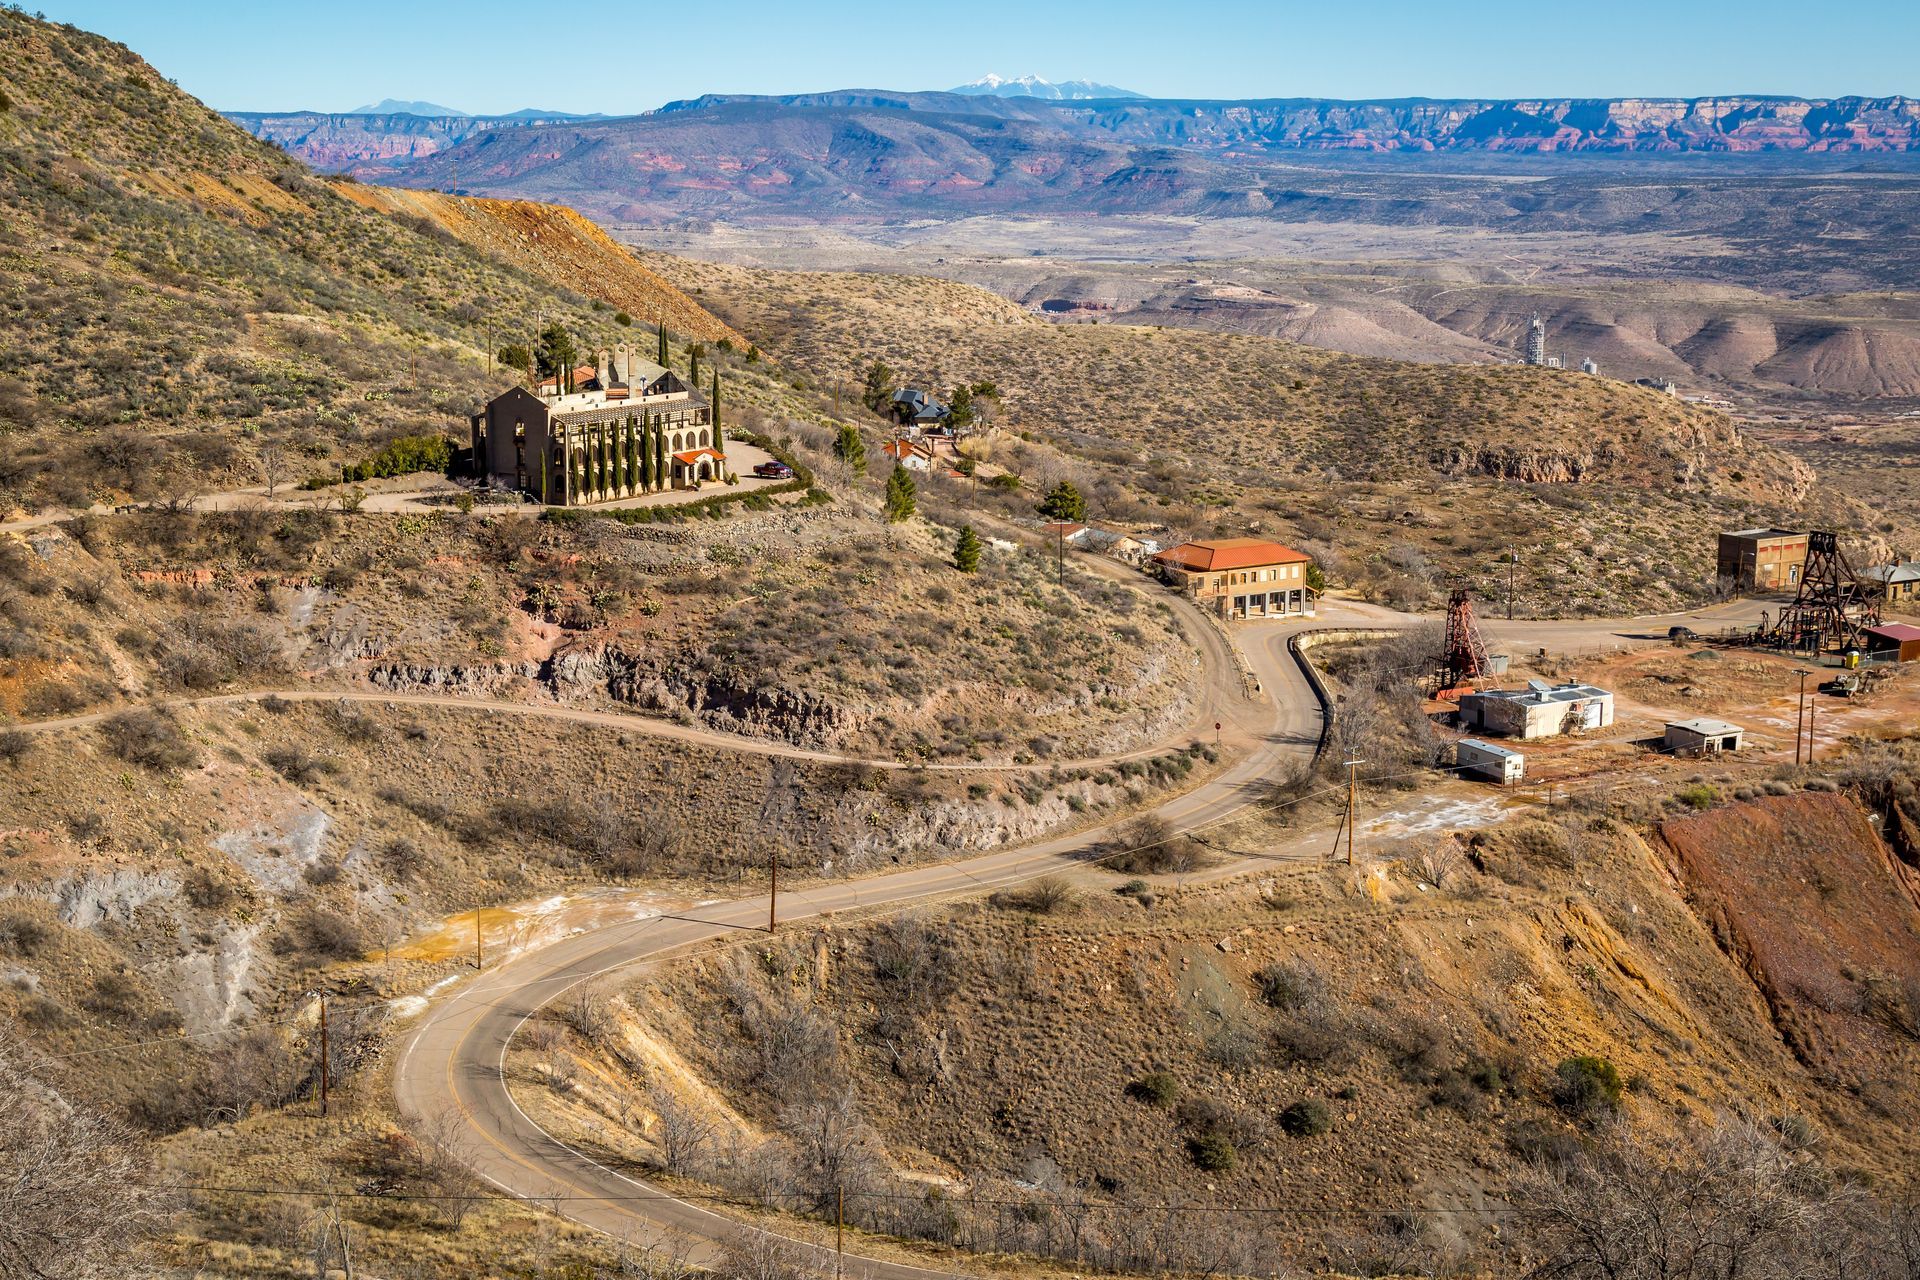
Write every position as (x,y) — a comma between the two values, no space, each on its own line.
(1478,759)
(1540,710)
(1702,737)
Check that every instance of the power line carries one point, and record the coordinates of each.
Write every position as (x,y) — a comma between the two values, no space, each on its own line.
(745,1202)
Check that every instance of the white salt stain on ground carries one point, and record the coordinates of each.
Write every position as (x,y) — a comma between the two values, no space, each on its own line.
(1438,814)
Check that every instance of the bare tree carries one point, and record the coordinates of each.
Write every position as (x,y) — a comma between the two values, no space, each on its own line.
(273,462)
(760,1255)
(446,1157)
(71,1197)
(682,1132)
(1733,1205)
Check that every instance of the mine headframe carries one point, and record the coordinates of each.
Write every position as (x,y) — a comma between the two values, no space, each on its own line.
(1834,604)
(1465,659)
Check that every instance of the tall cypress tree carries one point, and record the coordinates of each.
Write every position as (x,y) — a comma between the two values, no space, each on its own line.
(646,453)
(719,439)
(661,476)
(662,359)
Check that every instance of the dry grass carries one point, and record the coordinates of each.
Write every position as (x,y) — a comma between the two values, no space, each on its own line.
(1611,492)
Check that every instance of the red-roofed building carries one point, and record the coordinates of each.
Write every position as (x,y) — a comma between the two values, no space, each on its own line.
(1894,641)
(910,454)
(1241,577)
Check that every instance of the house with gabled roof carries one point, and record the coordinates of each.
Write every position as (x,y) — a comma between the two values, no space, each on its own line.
(914,407)
(1899,580)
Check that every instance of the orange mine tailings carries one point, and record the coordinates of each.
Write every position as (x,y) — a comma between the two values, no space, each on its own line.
(1802,892)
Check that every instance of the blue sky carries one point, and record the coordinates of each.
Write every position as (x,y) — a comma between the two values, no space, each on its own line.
(490,56)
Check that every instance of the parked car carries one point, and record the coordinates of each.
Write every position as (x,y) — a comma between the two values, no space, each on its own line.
(773,471)
(1681,635)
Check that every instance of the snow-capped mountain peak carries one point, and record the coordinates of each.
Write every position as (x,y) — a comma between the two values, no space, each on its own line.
(1034,87)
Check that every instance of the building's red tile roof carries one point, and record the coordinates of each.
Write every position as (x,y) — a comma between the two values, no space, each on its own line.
(1230,553)
(692,456)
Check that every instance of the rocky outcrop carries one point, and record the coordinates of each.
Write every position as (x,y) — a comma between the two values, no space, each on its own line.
(1526,466)
(722,700)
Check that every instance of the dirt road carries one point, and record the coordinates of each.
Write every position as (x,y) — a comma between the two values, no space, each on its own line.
(452,1069)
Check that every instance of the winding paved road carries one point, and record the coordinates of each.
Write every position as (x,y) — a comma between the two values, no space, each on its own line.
(452,1069)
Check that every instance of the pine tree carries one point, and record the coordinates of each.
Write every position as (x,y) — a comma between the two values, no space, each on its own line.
(879,386)
(966,550)
(850,448)
(1064,502)
(902,495)
(719,438)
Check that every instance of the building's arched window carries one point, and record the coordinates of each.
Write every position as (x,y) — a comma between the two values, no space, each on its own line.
(678,444)
(703,440)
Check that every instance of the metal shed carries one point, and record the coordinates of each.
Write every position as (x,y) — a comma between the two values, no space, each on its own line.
(1894,642)
(1479,759)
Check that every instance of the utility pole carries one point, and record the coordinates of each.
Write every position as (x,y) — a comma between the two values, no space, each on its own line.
(1800,721)
(476,939)
(1513,575)
(1813,710)
(773,884)
(325,1066)
(1353,796)
(839,1232)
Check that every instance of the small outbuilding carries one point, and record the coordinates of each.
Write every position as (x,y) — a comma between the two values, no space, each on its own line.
(1540,710)
(1703,737)
(1474,758)
(1893,642)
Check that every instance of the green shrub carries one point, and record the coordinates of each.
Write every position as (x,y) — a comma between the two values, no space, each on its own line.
(1307,1118)
(1698,796)
(403,455)
(1213,1152)
(1156,1089)
(1587,1086)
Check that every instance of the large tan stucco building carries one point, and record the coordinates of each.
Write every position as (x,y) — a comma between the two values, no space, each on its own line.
(1241,577)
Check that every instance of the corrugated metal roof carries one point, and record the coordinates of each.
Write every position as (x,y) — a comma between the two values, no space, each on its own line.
(1557,693)
(1895,631)
(1905,571)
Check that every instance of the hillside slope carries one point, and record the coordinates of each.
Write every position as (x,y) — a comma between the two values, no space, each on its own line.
(176,296)
(1398,464)
(1389,1042)
(555,244)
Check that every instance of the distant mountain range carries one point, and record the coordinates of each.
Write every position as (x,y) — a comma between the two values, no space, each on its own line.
(395,107)
(873,152)
(1034,87)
